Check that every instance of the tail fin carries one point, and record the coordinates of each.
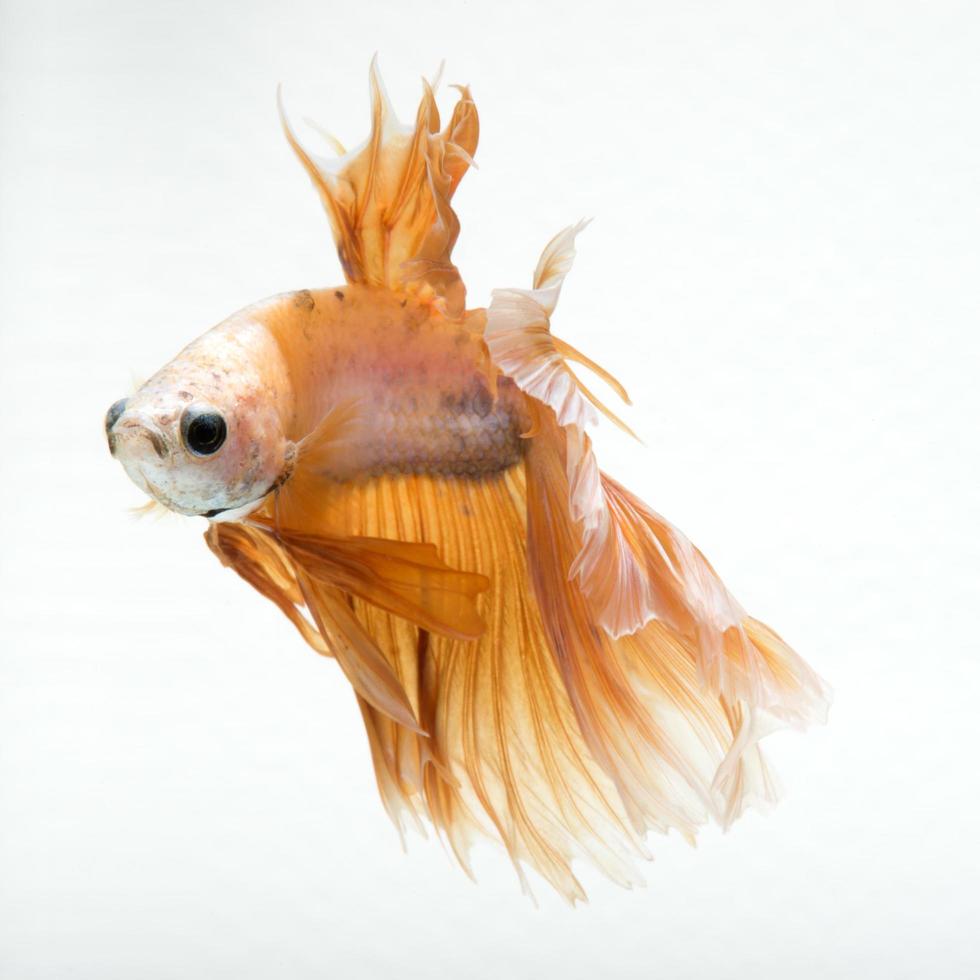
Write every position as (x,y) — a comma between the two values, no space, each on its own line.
(686,655)
(388,199)
(632,565)
(738,658)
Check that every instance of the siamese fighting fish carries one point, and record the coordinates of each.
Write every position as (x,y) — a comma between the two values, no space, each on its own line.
(538,656)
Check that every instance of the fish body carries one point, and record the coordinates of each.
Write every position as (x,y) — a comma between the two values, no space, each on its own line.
(424,378)
(538,656)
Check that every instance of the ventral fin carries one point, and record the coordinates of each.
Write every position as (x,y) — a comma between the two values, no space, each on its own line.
(365,666)
(256,558)
(407,579)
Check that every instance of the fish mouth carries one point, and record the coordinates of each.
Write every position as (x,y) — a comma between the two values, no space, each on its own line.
(135,427)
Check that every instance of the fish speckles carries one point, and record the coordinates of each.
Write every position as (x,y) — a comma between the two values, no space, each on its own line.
(303,300)
(339,293)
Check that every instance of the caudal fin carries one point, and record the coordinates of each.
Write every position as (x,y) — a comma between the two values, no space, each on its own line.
(738,657)
(629,605)
(632,565)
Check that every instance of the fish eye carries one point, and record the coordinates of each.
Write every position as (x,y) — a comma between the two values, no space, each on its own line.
(112,416)
(203,430)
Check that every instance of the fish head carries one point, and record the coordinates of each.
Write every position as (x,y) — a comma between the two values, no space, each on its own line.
(205,435)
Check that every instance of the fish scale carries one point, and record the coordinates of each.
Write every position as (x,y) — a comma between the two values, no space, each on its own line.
(468,440)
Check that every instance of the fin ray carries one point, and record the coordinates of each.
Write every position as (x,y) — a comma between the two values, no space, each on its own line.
(545,733)
(521,345)
(388,200)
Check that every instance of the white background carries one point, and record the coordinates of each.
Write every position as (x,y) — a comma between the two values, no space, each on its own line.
(783,270)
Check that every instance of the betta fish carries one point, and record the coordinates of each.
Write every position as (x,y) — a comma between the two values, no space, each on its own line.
(538,656)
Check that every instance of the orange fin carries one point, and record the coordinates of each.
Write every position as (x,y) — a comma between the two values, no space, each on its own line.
(388,199)
(738,657)
(256,558)
(409,580)
(634,566)
(294,569)
(333,447)
(545,733)
(693,643)
(365,666)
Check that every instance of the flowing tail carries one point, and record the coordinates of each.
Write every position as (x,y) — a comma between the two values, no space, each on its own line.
(631,564)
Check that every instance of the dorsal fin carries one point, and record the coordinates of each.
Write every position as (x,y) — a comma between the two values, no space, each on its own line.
(388,199)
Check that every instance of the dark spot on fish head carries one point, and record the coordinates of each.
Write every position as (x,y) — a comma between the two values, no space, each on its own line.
(339,293)
(185,396)
(303,300)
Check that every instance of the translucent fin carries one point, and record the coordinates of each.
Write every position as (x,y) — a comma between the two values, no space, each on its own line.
(337,433)
(544,733)
(635,565)
(294,569)
(621,557)
(609,572)
(255,554)
(362,662)
(409,580)
(521,345)
(336,447)
(256,558)
(388,199)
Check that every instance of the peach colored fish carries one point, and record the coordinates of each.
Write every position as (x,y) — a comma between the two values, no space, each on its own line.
(538,656)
